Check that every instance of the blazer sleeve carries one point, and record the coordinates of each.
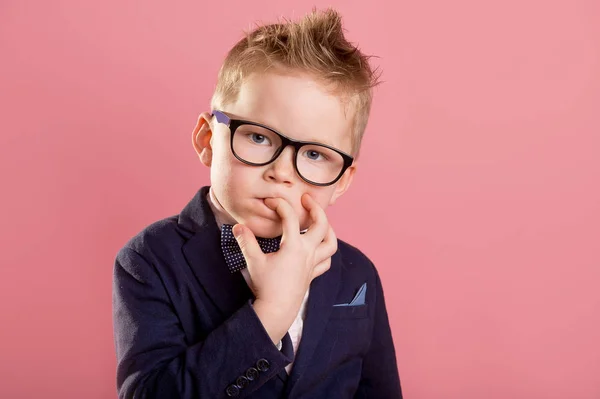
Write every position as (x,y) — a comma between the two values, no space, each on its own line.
(153,358)
(379,378)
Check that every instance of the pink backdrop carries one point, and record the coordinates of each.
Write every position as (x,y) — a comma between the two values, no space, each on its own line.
(478,193)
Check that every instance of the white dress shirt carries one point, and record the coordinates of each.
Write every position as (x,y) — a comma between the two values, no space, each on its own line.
(295,330)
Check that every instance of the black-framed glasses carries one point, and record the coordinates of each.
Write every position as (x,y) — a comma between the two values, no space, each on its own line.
(257,145)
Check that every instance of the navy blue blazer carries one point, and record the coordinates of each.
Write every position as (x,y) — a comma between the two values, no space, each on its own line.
(184,326)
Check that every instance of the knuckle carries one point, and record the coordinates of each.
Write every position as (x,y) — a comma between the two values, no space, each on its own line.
(319,211)
(244,246)
(241,241)
(286,209)
(334,247)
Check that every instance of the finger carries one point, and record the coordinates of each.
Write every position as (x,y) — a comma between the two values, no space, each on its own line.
(247,242)
(289,219)
(328,247)
(318,228)
(321,268)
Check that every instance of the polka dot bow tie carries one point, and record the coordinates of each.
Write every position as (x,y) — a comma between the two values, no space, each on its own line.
(233,254)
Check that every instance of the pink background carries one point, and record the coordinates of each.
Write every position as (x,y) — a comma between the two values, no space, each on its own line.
(478,193)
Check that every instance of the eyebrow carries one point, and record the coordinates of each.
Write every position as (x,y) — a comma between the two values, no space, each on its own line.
(313,140)
(309,140)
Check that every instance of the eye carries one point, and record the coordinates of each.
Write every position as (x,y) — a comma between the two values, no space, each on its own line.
(258,138)
(314,155)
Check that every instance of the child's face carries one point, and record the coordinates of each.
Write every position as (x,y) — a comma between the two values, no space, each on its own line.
(298,107)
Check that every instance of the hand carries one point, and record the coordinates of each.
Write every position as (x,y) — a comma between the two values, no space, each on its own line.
(280,279)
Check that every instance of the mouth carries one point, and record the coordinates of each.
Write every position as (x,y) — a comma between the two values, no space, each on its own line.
(272,196)
(265,210)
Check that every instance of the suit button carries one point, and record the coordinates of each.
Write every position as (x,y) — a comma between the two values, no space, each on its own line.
(251,373)
(242,382)
(263,365)
(232,390)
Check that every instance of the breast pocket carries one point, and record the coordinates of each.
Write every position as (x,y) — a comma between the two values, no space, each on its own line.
(350,312)
(348,331)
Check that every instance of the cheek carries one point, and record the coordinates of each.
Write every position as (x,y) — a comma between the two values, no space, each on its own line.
(321,196)
(228,170)
(239,184)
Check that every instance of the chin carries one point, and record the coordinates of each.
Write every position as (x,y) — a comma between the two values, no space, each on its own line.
(261,226)
(265,229)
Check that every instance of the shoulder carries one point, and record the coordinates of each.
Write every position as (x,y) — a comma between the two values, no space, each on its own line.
(355,262)
(158,240)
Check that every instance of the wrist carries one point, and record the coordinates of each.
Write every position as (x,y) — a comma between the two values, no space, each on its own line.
(275,320)
(278,308)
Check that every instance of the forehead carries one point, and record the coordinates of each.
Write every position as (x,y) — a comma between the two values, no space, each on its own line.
(296,105)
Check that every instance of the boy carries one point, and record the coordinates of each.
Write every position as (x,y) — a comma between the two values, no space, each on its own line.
(202,307)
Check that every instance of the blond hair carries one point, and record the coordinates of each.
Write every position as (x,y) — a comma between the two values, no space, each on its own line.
(314,44)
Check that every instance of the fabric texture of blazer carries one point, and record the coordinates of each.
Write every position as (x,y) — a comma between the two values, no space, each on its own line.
(184,326)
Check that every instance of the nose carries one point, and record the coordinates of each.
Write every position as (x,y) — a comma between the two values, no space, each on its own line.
(282,170)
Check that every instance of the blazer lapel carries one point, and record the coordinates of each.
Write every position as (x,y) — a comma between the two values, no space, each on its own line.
(227,291)
(321,298)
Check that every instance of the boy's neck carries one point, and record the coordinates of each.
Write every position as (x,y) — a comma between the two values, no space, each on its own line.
(221,215)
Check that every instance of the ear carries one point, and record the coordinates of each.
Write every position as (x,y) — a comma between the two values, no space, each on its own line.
(343,184)
(202,138)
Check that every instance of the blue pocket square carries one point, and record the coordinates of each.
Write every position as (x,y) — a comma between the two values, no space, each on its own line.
(359,298)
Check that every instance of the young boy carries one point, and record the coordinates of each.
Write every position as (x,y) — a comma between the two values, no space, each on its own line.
(247,292)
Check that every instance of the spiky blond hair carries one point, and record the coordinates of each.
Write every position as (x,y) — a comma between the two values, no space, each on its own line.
(314,44)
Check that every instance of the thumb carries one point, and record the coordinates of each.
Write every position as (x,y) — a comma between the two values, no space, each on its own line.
(247,242)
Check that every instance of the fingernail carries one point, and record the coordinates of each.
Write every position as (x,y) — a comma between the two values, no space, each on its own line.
(237,230)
